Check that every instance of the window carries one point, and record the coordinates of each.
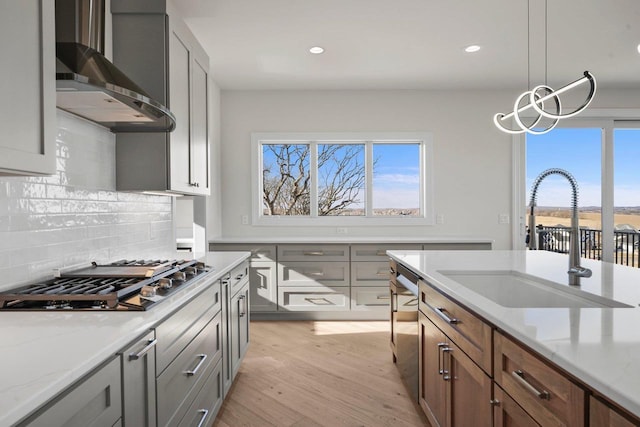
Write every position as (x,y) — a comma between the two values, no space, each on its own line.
(333,178)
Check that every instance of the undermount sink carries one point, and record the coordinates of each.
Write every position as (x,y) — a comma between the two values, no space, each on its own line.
(513,289)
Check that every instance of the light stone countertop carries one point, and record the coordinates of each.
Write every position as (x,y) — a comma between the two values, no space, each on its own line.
(346,239)
(600,346)
(43,352)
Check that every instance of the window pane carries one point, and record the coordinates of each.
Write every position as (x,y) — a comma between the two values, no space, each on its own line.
(626,196)
(396,180)
(577,151)
(285,179)
(341,180)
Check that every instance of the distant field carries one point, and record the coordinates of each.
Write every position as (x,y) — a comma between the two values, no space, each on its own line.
(587,219)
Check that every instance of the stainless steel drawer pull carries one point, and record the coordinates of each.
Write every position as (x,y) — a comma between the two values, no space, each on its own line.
(382,273)
(441,312)
(202,357)
(315,273)
(313,253)
(239,276)
(441,345)
(204,413)
(519,377)
(381,253)
(445,374)
(150,344)
(385,297)
(242,311)
(319,301)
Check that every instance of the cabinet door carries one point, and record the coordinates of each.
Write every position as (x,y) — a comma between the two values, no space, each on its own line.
(139,382)
(469,390)
(603,415)
(179,103)
(432,387)
(264,291)
(27,89)
(199,149)
(239,339)
(94,402)
(507,413)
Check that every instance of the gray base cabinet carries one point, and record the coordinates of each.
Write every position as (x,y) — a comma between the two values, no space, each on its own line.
(324,281)
(94,402)
(139,382)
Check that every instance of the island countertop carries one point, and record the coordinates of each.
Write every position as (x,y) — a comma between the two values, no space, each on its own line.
(43,352)
(599,346)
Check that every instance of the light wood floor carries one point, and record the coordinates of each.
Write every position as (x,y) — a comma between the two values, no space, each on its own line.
(312,374)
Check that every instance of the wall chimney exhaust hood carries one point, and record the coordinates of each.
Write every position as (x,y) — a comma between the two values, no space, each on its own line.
(89,85)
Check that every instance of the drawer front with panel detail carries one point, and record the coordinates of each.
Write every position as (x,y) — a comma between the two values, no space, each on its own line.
(309,298)
(331,274)
(370,298)
(370,273)
(378,252)
(316,252)
(542,391)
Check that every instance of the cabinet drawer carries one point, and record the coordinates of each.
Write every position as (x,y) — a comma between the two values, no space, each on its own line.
(469,332)
(379,252)
(178,385)
(258,252)
(95,402)
(204,408)
(546,394)
(370,273)
(313,299)
(601,414)
(313,274)
(370,298)
(178,330)
(238,276)
(313,252)
(506,412)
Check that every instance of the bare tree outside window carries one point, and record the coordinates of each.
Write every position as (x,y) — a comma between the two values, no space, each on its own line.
(341,179)
(285,179)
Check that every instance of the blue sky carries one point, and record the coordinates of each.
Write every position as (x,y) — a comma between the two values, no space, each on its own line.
(578,150)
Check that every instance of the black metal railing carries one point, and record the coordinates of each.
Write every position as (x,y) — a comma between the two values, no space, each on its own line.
(556,239)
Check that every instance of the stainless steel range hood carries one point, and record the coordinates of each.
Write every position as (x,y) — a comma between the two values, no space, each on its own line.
(89,85)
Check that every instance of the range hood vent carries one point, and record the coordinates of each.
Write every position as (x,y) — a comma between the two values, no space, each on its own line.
(89,85)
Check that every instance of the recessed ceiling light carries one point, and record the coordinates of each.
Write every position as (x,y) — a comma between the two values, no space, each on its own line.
(639,48)
(472,48)
(316,50)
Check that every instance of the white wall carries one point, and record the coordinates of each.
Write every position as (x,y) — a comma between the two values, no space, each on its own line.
(76,216)
(214,215)
(473,160)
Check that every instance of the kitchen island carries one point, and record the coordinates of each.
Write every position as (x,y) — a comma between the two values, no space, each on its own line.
(597,346)
(44,352)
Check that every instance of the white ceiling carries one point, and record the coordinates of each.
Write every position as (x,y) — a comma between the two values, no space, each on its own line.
(416,44)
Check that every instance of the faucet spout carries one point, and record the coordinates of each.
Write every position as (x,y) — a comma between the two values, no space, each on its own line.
(575,270)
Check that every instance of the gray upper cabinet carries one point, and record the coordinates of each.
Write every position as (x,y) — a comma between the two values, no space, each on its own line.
(155,48)
(28,88)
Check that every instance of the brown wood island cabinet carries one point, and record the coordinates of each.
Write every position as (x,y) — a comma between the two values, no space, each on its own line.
(471,373)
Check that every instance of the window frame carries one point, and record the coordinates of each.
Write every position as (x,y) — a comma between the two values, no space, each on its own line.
(606,119)
(424,139)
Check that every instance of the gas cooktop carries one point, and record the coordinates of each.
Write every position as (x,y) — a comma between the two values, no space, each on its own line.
(122,285)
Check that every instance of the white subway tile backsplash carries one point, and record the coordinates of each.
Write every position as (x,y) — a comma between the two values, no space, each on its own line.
(76,216)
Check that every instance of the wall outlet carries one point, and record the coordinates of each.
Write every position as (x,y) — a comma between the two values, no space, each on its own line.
(440,219)
(342,230)
(503,218)
(244,219)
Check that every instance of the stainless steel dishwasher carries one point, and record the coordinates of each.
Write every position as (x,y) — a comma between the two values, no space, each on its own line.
(404,326)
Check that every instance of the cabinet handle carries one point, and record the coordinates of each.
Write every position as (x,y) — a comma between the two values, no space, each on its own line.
(392,271)
(242,311)
(204,413)
(519,377)
(382,273)
(385,297)
(441,345)
(381,253)
(319,301)
(239,276)
(494,402)
(150,344)
(315,273)
(440,311)
(394,302)
(313,253)
(445,375)
(202,357)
